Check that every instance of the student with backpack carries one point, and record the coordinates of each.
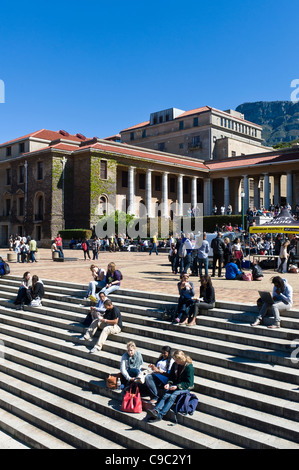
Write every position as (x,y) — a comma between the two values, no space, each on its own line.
(180,380)
(113,279)
(4,267)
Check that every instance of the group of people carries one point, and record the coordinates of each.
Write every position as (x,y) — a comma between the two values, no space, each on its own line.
(103,314)
(190,306)
(24,247)
(30,292)
(171,375)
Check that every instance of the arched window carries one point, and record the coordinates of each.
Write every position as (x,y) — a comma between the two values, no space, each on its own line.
(102,205)
(39,207)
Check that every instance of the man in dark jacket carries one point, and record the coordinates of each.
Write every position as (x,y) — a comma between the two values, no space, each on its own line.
(218,247)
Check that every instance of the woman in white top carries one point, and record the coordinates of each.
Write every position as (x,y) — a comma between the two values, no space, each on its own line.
(99,276)
(159,377)
(283,258)
(237,252)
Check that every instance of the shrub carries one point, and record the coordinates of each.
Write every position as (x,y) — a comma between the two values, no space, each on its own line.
(210,221)
(76,233)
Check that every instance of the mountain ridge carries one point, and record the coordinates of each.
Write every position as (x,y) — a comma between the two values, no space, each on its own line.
(279,119)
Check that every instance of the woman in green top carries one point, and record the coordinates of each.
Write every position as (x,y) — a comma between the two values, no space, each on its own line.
(181,378)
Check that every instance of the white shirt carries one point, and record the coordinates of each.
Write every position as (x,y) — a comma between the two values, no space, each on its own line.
(162,365)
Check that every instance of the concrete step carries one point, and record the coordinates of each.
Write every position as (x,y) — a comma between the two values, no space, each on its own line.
(271,339)
(245,380)
(128,303)
(29,435)
(84,408)
(80,424)
(233,394)
(63,391)
(258,345)
(15,321)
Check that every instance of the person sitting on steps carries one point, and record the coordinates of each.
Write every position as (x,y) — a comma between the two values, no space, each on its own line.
(283,300)
(181,378)
(206,300)
(110,323)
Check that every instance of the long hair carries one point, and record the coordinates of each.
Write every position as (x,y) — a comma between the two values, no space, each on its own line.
(112,267)
(167,349)
(182,356)
(278,281)
(35,279)
(207,278)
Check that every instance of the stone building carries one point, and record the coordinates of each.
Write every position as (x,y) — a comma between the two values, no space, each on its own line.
(205,133)
(53,180)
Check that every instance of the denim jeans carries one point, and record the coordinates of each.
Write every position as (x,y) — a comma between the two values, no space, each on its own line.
(276,308)
(109,290)
(203,262)
(154,247)
(153,383)
(93,286)
(167,401)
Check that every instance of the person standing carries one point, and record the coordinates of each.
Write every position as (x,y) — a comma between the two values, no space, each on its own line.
(95,247)
(85,248)
(32,250)
(218,247)
(154,247)
(58,242)
(203,255)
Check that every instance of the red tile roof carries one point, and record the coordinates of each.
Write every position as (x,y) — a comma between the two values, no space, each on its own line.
(45,134)
(203,109)
(142,124)
(262,158)
(137,152)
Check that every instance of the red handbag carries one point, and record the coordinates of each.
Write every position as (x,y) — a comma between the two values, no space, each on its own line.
(132,402)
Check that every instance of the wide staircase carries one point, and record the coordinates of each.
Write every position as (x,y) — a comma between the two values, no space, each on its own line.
(53,393)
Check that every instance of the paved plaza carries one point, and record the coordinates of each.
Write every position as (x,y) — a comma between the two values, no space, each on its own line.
(144,273)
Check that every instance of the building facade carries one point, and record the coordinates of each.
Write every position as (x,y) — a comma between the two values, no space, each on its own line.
(205,133)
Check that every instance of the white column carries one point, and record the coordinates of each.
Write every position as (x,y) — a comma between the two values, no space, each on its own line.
(266,191)
(256,192)
(148,186)
(276,190)
(131,208)
(289,188)
(207,196)
(194,192)
(165,212)
(180,195)
(246,191)
(226,191)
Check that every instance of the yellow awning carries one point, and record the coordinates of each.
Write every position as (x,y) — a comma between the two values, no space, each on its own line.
(273,229)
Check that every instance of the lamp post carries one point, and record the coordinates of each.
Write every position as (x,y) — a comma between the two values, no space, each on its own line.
(243,215)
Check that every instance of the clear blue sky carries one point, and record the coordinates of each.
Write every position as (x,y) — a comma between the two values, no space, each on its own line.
(97,67)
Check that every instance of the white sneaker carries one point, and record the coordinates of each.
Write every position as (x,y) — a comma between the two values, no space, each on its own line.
(94,350)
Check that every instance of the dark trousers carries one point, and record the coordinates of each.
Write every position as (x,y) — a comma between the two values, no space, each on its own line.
(217,257)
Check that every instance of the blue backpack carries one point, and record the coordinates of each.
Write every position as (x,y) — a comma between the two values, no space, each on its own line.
(185,404)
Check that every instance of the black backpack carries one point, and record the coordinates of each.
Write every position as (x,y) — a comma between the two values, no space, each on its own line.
(120,274)
(185,404)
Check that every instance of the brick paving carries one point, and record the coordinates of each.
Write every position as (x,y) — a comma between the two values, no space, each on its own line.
(144,273)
